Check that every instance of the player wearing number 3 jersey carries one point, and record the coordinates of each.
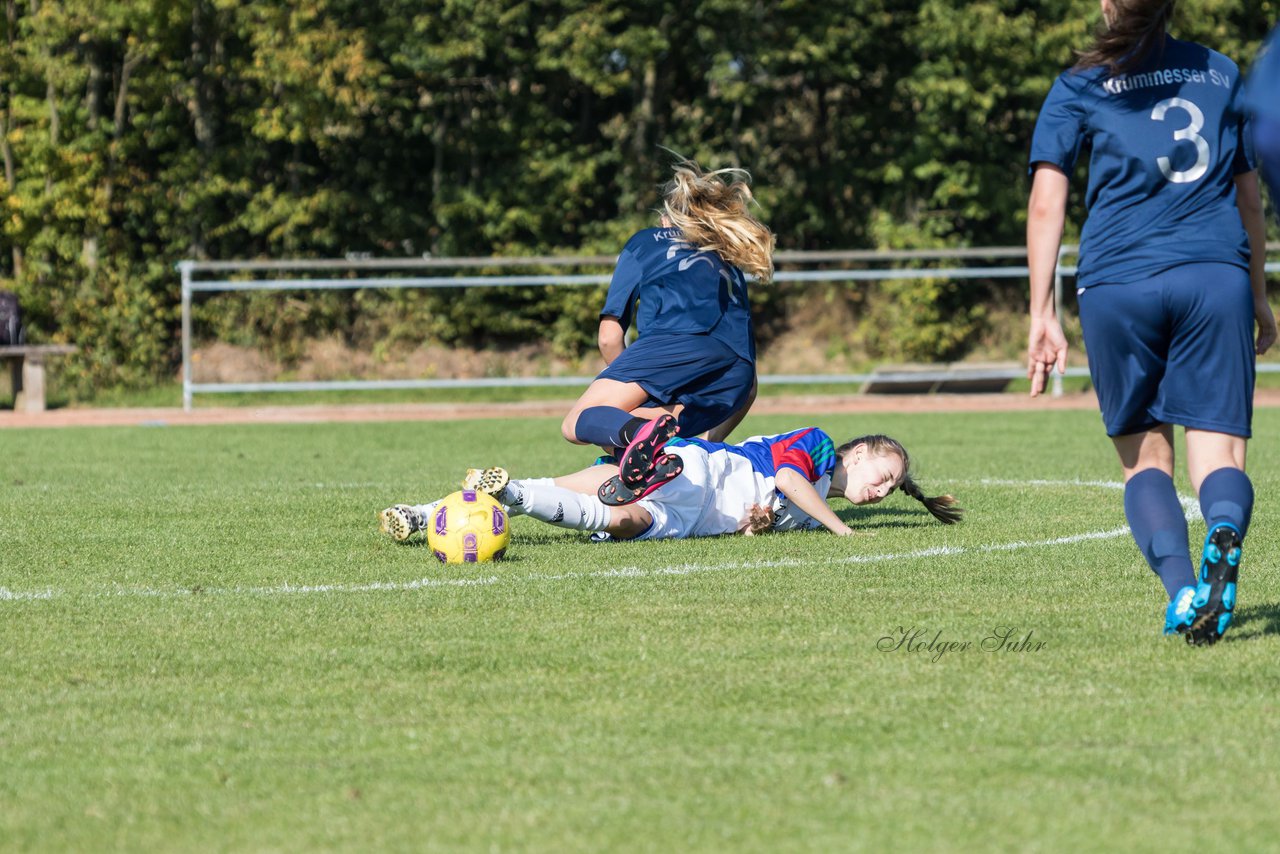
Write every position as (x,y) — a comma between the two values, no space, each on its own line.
(1170,285)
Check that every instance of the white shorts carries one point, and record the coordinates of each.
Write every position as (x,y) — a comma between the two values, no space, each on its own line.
(694,504)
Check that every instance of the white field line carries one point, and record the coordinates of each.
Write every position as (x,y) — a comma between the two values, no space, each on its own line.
(1189,505)
(7,595)
(277,590)
(332,486)
(1192,511)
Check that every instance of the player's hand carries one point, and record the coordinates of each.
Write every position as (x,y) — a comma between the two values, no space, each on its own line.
(1046,350)
(759,520)
(1266,325)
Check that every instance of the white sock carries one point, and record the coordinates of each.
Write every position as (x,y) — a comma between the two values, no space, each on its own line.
(424,512)
(555,505)
(513,493)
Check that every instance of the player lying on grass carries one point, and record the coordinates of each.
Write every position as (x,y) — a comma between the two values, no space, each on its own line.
(767,483)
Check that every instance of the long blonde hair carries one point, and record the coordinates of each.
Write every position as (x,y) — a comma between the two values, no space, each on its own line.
(715,215)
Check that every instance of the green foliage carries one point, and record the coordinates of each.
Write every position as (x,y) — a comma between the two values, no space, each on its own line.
(934,321)
(143,132)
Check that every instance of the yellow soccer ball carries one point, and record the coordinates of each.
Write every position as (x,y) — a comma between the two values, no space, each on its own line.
(468,527)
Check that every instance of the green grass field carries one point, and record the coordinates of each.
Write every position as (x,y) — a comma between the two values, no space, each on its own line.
(208,646)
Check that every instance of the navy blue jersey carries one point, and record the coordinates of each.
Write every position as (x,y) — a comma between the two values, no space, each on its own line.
(667,285)
(1167,141)
(1263,89)
(1262,95)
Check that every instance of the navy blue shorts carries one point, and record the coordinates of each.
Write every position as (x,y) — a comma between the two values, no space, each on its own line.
(704,374)
(1174,349)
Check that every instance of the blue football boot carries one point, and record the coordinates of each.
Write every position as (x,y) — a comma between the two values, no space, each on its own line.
(1179,616)
(1215,596)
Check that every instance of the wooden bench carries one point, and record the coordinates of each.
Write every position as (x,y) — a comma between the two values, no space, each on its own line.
(945,378)
(26,369)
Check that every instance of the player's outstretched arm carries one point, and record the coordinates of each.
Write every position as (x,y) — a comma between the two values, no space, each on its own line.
(1046,214)
(801,493)
(1249,200)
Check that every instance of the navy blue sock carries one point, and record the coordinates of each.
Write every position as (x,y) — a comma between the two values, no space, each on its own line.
(607,426)
(1159,528)
(1227,496)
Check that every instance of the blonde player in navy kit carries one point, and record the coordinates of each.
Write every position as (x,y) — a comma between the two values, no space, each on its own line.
(1170,285)
(684,285)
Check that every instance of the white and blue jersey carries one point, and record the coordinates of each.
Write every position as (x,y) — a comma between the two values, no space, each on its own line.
(669,286)
(1167,140)
(720,483)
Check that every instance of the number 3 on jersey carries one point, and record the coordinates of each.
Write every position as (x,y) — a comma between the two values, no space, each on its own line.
(1191,133)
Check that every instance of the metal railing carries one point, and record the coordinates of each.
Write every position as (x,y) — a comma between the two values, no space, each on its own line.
(376,274)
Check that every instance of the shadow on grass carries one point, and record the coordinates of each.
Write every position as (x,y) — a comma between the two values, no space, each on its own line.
(552,536)
(864,518)
(1254,622)
(884,517)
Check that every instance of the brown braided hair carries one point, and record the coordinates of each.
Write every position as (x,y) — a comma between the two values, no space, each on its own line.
(1135,29)
(942,507)
(716,215)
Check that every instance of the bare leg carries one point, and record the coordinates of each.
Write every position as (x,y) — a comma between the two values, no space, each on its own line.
(1155,514)
(624,396)
(629,522)
(624,522)
(587,481)
(652,412)
(721,431)
(1207,452)
(1150,450)
(560,503)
